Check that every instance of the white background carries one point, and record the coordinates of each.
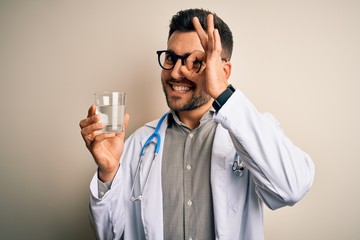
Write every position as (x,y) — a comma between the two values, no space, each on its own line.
(296,59)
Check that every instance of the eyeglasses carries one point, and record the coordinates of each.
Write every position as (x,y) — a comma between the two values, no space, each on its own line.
(167,60)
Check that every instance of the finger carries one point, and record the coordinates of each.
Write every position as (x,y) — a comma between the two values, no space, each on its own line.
(89,139)
(200,32)
(92,110)
(217,41)
(89,132)
(210,31)
(196,56)
(103,136)
(88,121)
(193,64)
(192,74)
(126,121)
(215,54)
(189,74)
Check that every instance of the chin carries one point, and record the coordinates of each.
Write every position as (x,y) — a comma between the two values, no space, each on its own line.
(176,103)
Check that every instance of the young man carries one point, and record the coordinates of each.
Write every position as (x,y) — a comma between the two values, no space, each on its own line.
(219,159)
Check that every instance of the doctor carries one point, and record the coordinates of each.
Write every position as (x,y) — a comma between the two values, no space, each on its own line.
(219,159)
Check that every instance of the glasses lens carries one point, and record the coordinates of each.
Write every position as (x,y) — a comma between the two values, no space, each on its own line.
(167,59)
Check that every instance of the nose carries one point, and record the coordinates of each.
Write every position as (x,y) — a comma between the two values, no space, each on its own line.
(176,72)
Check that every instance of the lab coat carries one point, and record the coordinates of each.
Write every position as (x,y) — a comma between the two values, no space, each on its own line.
(277,173)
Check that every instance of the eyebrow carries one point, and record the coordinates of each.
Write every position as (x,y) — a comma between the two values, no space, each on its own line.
(183,55)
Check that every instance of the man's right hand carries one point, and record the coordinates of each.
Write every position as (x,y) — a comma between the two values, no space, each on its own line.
(106,148)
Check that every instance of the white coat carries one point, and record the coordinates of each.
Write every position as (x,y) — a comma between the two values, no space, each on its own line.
(277,173)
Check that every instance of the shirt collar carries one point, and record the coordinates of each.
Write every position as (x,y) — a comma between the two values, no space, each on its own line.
(174,119)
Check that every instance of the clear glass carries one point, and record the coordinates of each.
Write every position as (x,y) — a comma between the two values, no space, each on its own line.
(111,108)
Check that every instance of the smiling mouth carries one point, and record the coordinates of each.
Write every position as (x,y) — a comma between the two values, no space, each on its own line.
(180,88)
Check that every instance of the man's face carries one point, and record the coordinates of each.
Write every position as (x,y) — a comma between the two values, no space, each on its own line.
(183,94)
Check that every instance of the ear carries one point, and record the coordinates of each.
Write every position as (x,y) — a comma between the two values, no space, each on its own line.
(227,69)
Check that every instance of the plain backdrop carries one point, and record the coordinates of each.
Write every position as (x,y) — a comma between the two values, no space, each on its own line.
(298,60)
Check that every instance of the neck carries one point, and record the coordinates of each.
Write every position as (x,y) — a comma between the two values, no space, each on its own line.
(192,118)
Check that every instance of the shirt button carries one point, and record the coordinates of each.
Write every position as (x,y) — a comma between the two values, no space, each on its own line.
(189,203)
(190,238)
(191,135)
(188,167)
(101,193)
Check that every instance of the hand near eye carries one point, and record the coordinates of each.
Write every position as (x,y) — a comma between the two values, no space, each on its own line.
(216,72)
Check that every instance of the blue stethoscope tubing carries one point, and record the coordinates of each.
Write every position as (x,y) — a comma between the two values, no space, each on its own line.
(154,135)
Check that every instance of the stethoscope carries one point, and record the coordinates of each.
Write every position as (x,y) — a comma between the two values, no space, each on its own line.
(156,136)
(238,166)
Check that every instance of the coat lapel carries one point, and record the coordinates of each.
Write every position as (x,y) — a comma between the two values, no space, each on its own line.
(222,145)
(151,205)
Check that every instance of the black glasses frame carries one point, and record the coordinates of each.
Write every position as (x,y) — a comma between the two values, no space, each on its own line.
(176,58)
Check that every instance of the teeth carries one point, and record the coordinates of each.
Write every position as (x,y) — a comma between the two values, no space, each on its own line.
(180,88)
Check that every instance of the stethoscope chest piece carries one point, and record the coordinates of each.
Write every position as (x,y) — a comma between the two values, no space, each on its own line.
(238,166)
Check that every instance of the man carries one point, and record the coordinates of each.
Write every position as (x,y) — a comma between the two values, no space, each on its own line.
(219,159)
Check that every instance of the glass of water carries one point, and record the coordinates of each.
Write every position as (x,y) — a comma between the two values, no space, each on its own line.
(111,108)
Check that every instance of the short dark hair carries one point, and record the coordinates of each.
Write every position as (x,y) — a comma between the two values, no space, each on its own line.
(182,22)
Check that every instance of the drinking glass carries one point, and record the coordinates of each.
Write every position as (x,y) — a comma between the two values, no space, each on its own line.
(111,108)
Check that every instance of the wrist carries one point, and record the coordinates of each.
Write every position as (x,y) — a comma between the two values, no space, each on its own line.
(218,91)
(106,175)
(223,97)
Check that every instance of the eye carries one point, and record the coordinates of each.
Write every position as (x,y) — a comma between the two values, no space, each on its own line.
(197,65)
(170,58)
(197,62)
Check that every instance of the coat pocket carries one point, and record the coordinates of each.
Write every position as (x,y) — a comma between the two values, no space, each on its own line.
(237,179)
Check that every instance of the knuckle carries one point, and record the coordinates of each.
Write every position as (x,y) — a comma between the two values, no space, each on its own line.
(95,126)
(82,124)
